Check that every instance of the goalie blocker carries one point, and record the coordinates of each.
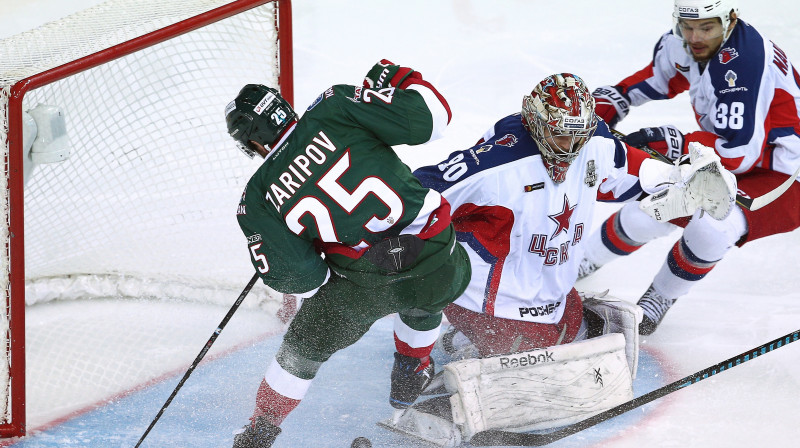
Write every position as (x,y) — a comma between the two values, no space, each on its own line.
(535,390)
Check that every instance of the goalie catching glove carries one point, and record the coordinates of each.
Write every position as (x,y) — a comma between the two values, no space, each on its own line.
(703,183)
(388,74)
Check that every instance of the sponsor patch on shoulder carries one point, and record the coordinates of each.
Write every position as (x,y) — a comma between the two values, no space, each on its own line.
(534,187)
(682,68)
(731,77)
(316,101)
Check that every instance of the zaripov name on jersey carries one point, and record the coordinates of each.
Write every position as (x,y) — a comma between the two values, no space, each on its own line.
(300,169)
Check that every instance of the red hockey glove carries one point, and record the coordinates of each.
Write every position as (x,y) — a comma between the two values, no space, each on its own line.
(611,104)
(388,74)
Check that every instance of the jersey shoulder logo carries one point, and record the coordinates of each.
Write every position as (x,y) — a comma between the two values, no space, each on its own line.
(727,55)
(507,140)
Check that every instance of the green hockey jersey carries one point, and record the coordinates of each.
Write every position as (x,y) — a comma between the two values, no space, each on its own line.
(333,186)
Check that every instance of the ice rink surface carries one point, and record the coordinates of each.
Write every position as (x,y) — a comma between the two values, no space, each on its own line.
(483,56)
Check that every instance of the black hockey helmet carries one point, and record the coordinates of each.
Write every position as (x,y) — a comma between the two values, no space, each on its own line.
(259,113)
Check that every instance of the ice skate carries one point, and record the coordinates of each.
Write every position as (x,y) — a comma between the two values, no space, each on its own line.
(655,306)
(407,381)
(259,434)
(587,268)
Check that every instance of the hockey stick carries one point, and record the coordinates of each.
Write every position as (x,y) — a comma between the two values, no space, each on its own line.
(203,352)
(754,204)
(751,204)
(507,438)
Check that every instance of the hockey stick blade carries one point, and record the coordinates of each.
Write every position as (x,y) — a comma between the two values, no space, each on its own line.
(202,354)
(507,438)
(751,204)
(756,203)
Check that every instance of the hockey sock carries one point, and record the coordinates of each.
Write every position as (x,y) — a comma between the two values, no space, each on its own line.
(615,239)
(279,393)
(272,405)
(681,271)
(405,349)
(415,343)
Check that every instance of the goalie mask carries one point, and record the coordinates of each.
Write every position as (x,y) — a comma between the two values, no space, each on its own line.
(260,114)
(559,114)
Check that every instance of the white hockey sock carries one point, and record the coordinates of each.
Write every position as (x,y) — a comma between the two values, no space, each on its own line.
(623,233)
(704,242)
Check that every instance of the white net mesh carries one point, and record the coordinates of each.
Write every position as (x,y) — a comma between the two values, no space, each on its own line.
(145,205)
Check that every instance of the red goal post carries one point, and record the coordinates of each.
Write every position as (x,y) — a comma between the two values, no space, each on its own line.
(71,67)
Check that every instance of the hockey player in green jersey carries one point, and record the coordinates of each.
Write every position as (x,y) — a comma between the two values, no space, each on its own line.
(335,218)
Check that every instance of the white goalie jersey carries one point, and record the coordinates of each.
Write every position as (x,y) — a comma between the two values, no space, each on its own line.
(523,231)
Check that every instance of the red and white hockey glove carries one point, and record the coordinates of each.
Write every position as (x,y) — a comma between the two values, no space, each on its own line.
(666,140)
(388,74)
(611,104)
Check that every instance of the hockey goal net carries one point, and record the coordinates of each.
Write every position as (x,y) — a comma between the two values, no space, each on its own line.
(144,206)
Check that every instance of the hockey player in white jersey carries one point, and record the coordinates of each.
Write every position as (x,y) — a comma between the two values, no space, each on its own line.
(745,93)
(522,200)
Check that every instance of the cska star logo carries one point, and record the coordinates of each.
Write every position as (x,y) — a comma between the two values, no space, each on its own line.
(562,218)
(727,55)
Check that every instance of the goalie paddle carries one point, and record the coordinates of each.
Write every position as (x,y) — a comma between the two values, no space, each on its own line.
(200,356)
(507,438)
(751,204)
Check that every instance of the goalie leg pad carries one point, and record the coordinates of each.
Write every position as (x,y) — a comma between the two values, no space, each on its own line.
(617,316)
(540,389)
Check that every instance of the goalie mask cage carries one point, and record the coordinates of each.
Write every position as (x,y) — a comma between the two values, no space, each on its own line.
(144,207)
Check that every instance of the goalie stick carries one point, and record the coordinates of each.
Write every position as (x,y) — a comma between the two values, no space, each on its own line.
(507,438)
(751,204)
(200,356)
